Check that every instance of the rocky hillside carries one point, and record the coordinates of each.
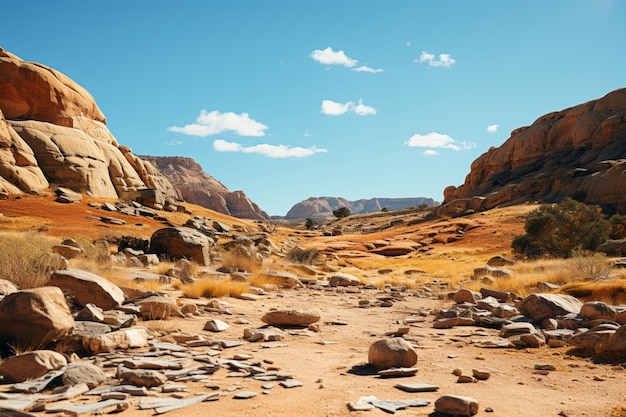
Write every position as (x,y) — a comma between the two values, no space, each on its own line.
(52,134)
(578,152)
(197,187)
(322,207)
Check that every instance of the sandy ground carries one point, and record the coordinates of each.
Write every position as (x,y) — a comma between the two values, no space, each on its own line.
(330,363)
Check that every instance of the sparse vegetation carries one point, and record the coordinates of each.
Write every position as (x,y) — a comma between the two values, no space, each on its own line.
(214,288)
(558,229)
(304,256)
(341,212)
(26,259)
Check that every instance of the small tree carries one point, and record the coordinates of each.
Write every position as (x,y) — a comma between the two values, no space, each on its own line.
(308,223)
(558,229)
(341,212)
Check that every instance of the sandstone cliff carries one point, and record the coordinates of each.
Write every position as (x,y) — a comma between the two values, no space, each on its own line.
(323,207)
(53,134)
(197,187)
(578,152)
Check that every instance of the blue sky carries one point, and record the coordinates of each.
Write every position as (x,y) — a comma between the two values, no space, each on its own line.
(358,99)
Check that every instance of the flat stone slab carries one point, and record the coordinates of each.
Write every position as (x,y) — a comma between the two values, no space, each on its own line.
(417,387)
(245,395)
(291,383)
(397,372)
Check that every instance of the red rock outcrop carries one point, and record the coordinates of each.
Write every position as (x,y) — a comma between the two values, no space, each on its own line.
(52,133)
(197,187)
(578,152)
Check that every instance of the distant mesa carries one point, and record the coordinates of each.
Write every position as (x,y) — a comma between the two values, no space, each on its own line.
(197,187)
(323,207)
(578,152)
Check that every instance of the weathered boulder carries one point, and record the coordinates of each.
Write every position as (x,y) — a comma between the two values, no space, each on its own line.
(466,296)
(158,308)
(120,339)
(31,365)
(88,288)
(283,279)
(614,247)
(456,405)
(542,306)
(392,352)
(617,342)
(597,310)
(83,373)
(181,242)
(35,317)
(296,317)
(341,279)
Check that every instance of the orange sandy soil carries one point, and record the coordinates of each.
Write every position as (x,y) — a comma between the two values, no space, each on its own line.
(325,361)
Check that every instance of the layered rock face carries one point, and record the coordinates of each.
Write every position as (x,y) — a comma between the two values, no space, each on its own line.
(323,207)
(578,152)
(197,187)
(52,133)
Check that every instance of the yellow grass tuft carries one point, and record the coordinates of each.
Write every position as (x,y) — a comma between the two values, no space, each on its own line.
(26,259)
(214,288)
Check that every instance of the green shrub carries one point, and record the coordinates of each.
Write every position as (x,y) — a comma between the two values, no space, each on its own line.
(558,229)
(341,212)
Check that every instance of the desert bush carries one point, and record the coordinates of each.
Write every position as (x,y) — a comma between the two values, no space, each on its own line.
(304,256)
(241,259)
(309,223)
(592,265)
(617,229)
(341,212)
(26,259)
(557,229)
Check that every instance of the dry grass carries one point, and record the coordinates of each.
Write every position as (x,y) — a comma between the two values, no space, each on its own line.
(611,292)
(211,287)
(25,259)
(238,259)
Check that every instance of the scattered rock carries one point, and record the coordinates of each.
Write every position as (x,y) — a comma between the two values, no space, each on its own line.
(392,353)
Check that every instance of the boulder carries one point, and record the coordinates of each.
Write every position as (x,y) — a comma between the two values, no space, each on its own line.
(31,365)
(119,339)
(392,352)
(466,296)
(617,342)
(284,279)
(341,279)
(181,242)
(296,317)
(7,287)
(88,288)
(35,317)
(542,306)
(456,405)
(83,373)
(158,308)
(597,310)
(615,247)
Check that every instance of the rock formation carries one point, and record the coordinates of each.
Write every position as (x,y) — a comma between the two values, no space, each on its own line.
(578,152)
(323,207)
(197,187)
(52,134)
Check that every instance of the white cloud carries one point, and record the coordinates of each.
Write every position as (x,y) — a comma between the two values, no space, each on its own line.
(445,60)
(174,143)
(430,152)
(270,151)
(221,145)
(330,57)
(492,128)
(438,140)
(333,108)
(214,123)
(365,68)
(363,110)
